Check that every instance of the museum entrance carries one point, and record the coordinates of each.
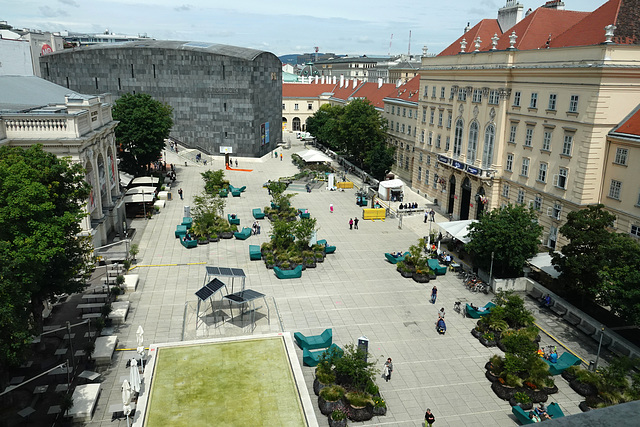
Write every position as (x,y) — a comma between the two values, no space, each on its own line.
(452,194)
(466,199)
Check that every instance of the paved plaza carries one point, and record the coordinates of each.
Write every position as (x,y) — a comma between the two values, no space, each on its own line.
(355,291)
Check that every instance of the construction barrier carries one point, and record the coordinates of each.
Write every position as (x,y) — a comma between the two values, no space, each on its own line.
(346,184)
(370,213)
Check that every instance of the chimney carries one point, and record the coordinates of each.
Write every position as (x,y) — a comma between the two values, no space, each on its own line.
(355,82)
(379,83)
(316,79)
(509,15)
(322,80)
(341,80)
(334,79)
(554,4)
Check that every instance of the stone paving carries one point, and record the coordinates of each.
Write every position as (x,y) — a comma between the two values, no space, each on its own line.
(355,291)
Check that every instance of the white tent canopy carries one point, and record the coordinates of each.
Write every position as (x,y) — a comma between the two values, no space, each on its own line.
(125,178)
(141,190)
(145,180)
(139,198)
(313,156)
(386,188)
(458,229)
(542,261)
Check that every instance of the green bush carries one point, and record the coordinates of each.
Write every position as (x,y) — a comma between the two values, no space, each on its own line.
(359,399)
(332,393)
(354,369)
(378,402)
(522,397)
(338,415)
(372,388)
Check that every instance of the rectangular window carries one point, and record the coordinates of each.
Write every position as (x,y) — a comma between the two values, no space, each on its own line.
(420,157)
(391,125)
(432,115)
(442,92)
(494,97)
(406,163)
(132,74)
(567,145)
(419,172)
(537,202)
(635,231)
(283,108)
(224,106)
(516,99)
(449,119)
(520,196)
(546,140)
(404,112)
(426,91)
(524,171)
(557,210)
(447,143)
(397,126)
(512,133)
(393,109)
(505,190)
(410,114)
(614,189)
(422,136)
(438,141)
(534,100)
(451,93)
(96,79)
(561,178)
(309,106)
(542,172)
(428,160)
(295,107)
(424,115)
(552,101)
(440,113)
(430,138)
(409,130)
(433,91)
(528,136)
(573,104)
(403,128)
(477,95)
(426,177)
(120,88)
(621,156)
(509,166)
(154,71)
(462,95)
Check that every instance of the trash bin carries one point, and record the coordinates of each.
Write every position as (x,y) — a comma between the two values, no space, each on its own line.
(169,195)
(592,365)
(363,344)
(187,211)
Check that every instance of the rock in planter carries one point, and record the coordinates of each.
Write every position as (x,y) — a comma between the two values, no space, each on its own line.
(524,406)
(567,376)
(380,411)
(317,386)
(333,423)
(420,278)
(583,389)
(487,343)
(214,239)
(502,391)
(491,377)
(537,396)
(310,264)
(360,413)
(583,406)
(476,333)
(226,235)
(327,407)
(406,274)
(550,390)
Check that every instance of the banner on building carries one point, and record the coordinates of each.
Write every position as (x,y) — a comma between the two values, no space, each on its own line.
(112,171)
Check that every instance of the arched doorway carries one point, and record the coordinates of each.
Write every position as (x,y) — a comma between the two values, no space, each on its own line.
(466,199)
(296,124)
(452,194)
(480,201)
(284,123)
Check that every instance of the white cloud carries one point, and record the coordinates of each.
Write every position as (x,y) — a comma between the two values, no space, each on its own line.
(69,3)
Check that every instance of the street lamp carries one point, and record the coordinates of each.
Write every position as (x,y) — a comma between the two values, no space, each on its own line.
(491,269)
(595,366)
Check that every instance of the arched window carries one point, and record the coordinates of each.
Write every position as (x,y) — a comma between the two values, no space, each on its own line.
(457,139)
(296,124)
(472,148)
(487,152)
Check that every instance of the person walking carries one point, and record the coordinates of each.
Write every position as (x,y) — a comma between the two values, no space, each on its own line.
(180,193)
(331,207)
(276,154)
(280,156)
(433,215)
(429,419)
(388,368)
(426,216)
(434,294)
(258,227)
(355,223)
(236,162)
(350,223)
(441,313)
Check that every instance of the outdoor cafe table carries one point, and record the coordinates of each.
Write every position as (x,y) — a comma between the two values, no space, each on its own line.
(90,307)
(97,297)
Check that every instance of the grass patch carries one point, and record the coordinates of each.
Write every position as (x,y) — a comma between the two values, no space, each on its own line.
(247,382)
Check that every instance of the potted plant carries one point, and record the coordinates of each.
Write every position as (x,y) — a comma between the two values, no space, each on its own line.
(89,347)
(324,378)
(522,400)
(213,237)
(285,265)
(337,419)
(99,324)
(126,264)
(361,406)
(488,339)
(329,398)
(421,276)
(404,269)
(66,403)
(494,367)
(270,260)
(379,406)
(133,251)
(585,383)
(570,373)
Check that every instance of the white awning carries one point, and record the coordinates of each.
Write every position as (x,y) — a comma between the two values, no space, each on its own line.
(542,261)
(125,179)
(139,198)
(141,190)
(458,229)
(313,156)
(145,180)
(392,183)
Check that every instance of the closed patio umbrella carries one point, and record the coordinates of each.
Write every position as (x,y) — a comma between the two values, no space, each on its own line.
(126,399)
(134,376)
(140,340)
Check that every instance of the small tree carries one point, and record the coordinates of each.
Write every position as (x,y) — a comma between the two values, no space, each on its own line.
(353,368)
(214,181)
(304,230)
(511,233)
(133,251)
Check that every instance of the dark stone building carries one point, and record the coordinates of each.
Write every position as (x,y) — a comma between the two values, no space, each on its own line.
(222,96)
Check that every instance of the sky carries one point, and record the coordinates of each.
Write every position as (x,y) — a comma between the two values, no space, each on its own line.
(373,27)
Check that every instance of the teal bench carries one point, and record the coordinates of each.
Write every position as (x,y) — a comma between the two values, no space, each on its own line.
(304,214)
(296,273)
(235,220)
(435,266)
(254,253)
(188,221)
(239,189)
(553,409)
(564,361)
(235,193)
(257,213)
(322,242)
(475,314)
(314,342)
(329,249)
(394,260)
(274,206)
(189,243)
(223,192)
(181,231)
(312,358)
(244,234)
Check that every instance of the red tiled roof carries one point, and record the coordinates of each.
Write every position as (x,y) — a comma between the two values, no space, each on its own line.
(373,93)
(408,91)
(305,90)
(536,28)
(630,126)
(485,29)
(590,30)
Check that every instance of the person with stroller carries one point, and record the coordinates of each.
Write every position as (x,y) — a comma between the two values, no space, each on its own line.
(441,327)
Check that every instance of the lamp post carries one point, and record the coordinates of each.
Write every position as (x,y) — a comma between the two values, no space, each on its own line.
(595,366)
(491,269)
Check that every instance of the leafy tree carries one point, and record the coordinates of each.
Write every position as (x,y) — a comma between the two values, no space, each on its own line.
(586,254)
(144,125)
(214,181)
(361,128)
(42,201)
(620,278)
(511,233)
(379,160)
(323,125)
(304,230)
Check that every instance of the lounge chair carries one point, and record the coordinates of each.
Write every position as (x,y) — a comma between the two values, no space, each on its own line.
(257,213)
(288,274)
(189,243)
(188,221)
(181,231)
(435,266)
(236,193)
(554,410)
(476,314)
(312,358)
(313,342)
(395,260)
(564,361)
(223,193)
(254,252)
(235,220)
(244,234)
(521,415)
(329,249)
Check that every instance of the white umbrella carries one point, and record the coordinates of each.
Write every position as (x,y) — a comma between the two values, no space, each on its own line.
(134,376)
(140,340)
(126,399)
(438,246)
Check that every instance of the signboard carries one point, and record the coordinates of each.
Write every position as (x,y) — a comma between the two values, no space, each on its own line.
(458,165)
(472,170)
(443,159)
(112,171)
(45,49)
(91,203)
(264,133)
(226,150)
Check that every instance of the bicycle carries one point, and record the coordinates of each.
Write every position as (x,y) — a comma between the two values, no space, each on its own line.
(457,307)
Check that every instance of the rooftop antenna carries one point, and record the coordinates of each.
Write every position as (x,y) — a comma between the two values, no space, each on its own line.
(409,51)
(390,41)
(316,49)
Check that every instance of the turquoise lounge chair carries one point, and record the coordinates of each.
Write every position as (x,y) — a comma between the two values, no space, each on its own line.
(189,243)
(394,260)
(329,249)
(521,415)
(440,270)
(181,231)
(254,253)
(564,361)
(235,220)
(188,221)
(312,358)
(313,342)
(244,234)
(475,314)
(288,274)
(257,213)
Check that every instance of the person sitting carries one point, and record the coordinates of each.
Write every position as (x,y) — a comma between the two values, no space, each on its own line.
(441,327)
(233,216)
(534,417)
(540,352)
(553,357)
(546,301)
(396,254)
(448,259)
(541,411)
